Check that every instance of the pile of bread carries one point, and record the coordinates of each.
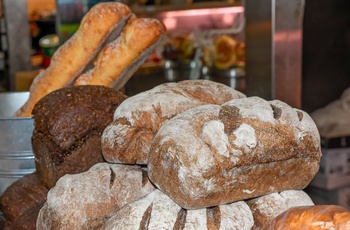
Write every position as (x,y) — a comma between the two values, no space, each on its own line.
(189,155)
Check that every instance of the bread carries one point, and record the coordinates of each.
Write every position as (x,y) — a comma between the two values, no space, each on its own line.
(266,208)
(21,196)
(102,23)
(248,147)
(317,217)
(158,211)
(68,124)
(120,59)
(128,138)
(87,200)
(27,221)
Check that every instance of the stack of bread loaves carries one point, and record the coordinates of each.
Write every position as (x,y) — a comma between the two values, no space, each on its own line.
(191,155)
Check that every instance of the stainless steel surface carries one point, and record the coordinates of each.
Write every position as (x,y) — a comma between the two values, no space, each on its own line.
(16,155)
(235,78)
(273,49)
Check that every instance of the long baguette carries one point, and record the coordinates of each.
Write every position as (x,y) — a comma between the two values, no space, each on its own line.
(119,59)
(100,25)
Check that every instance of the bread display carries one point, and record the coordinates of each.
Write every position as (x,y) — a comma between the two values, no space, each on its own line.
(266,208)
(21,196)
(245,148)
(317,217)
(88,199)
(135,43)
(68,124)
(136,121)
(101,24)
(158,211)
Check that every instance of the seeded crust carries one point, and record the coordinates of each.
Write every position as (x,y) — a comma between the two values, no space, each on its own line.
(68,124)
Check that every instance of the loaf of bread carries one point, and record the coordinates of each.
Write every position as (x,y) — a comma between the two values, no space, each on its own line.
(101,24)
(120,59)
(128,138)
(317,217)
(86,200)
(157,211)
(68,124)
(21,196)
(266,208)
(248,147)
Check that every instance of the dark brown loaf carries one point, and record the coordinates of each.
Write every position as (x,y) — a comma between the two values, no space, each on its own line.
(87,200)
(266,208)
(68,126)
(246,148)
(21,196)
(158,211)
(128,138)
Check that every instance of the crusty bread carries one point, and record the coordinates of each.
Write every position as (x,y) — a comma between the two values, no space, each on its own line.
(317,217)
(157,211)
(246,148)
(21,196)
(102,23)
(119,60)
(68,124)
(266,208)
(128,138)
(87,200)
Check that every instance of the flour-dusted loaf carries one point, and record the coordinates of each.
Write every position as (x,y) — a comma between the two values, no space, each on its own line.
(68,124)
(266,208)
(157,211)
(128,138)
(88,199)
(248,147)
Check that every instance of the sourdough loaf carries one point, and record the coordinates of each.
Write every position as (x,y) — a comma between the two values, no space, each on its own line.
(157,211)
(128,138)
(248,147)
(68,124)
(101,24)
(266,208)
(317,217)
(86,200)
(21,196)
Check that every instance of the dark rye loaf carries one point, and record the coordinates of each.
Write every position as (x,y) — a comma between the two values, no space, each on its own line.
(68,126)
(245,148)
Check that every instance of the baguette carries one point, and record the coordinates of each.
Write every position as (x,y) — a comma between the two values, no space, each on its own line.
(119,59)
(101,24)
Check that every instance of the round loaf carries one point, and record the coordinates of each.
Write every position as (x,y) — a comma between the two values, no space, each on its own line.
(87,200)
(128,138)
(157,211)
(248,147)
(266,208)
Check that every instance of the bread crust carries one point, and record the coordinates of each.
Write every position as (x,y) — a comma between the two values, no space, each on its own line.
(103,22)
(245,148)
(119,59)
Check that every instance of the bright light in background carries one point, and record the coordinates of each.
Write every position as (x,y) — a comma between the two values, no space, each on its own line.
(197,12)
(228,19)
(170,23)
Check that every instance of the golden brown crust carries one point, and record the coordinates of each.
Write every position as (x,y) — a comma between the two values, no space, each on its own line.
(313,218)
(70,60)
(120,59)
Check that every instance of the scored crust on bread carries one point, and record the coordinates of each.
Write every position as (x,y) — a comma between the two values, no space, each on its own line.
(119,60)
(101,24)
